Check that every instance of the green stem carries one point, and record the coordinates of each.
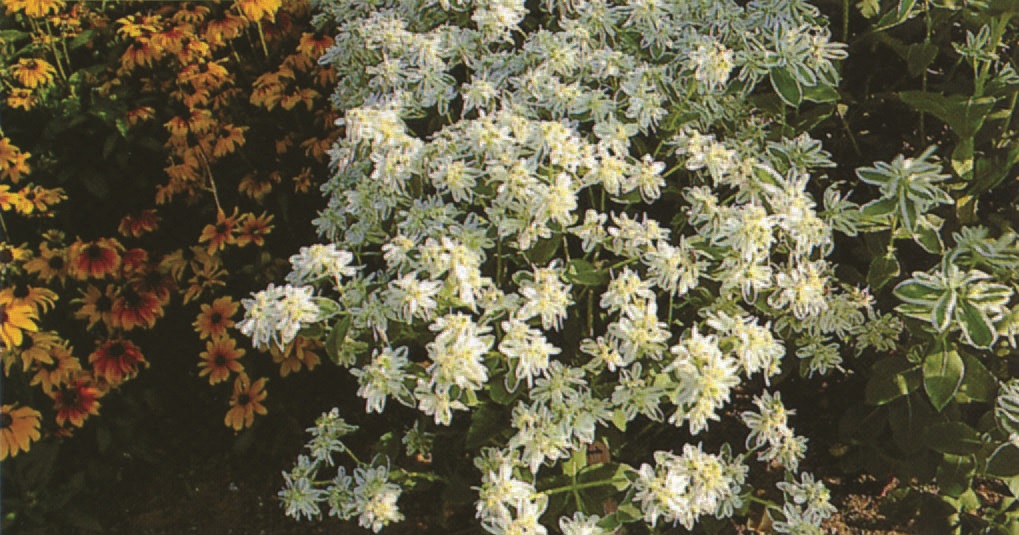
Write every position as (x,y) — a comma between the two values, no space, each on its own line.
(579,486)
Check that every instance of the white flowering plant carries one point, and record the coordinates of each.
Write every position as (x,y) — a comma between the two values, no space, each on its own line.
(585,244)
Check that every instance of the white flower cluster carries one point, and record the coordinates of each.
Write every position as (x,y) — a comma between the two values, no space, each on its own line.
(682,488)
(276,314)
(583,226)
(368,494)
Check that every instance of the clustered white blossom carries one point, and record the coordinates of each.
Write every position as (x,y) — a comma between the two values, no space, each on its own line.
(276,314)
(592,214)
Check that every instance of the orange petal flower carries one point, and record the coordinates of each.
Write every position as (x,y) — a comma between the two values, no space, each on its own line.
(245,402)
(117,360)
(52,375)
(34,72)
(215,319)
(13,320)
(221,234)
(76,400)
(19,427)
(96,260)
(219,359)
(298,354)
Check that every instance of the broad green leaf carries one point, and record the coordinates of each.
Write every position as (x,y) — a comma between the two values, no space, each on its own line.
(944,309)
(1004,461)
(962,158)
(943,372)
(544,249)
(919,56)
(954,474)
(498,392)
(581,272)
(487,421)
(915,292)
(787,87)
(892,378)
(821,93)
(575,463)
(929,239)
(882,269)
(976,326)
(336,337)
(907,419)
(978,384)
(955,438)
(963,115)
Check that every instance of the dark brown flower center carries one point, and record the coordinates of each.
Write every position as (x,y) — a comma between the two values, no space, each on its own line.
(243,399)
(221,228)
(132,298)
(219,359)
(116,350)
(56,263)
(6,420)
(70,397)
(94,252)
(104,304)
(21,291)
(215,318)
(6,256)
(3,314)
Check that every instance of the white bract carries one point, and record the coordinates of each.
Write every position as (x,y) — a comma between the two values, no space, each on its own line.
(548,198)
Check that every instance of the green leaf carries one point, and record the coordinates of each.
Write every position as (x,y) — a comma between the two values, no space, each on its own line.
(337,336)
(882,270)
(919,56)
(978,384)
(955,438)
(944,308)
(1004,461)
(976,326)
(927,237)
(498,392)
(963,115)
(962,158)
(821,93)
(913,291)
(954,474)
(581,272)
(575,463)
(787,87)
(891,378)
(544,249)
(487,422)
(943,372)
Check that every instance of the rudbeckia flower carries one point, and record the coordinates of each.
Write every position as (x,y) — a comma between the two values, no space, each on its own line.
(254,229)
(256,10)
(215,319)
(137,225)
(21,99)
(221,234)
(38,199)
(97,306)
(245,402)
(223,26)
(76,400)
(136,309)
(297,354)
(34,8)
(13,161)
(51,376)
(13,320)
(34,72)
(117,360)
(96,260)
(35,347)
(40,299)
(219,359)
(50,264)
(19,427)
